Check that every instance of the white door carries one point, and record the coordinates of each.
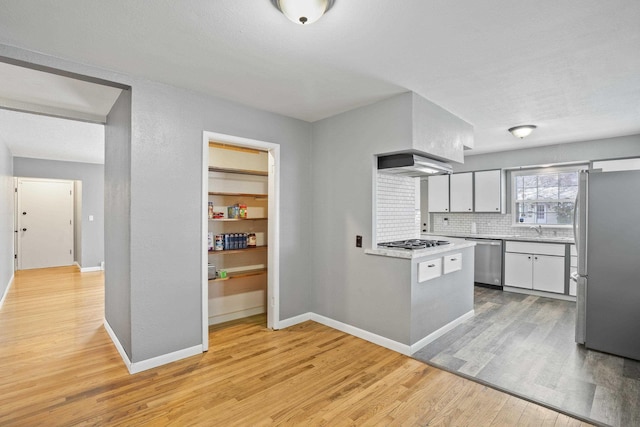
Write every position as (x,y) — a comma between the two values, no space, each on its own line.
(45,223)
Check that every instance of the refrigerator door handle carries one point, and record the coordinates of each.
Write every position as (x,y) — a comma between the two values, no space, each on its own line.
(575,219)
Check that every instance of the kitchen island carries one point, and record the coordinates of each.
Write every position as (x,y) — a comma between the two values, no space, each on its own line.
(436,286)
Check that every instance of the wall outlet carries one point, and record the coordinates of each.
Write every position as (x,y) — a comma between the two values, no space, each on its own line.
(445,221)
(358,241)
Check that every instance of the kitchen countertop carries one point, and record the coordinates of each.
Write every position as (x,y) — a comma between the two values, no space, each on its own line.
(455,244)
(541,239)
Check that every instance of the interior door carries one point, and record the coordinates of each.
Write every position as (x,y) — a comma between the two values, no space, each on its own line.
(45,223)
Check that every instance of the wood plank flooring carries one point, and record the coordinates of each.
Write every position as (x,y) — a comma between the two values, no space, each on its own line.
(58,367)
(525,344)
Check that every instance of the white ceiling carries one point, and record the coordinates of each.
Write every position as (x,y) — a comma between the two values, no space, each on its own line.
(43,137)
(572,67)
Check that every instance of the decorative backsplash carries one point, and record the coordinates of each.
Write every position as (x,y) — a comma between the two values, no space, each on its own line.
(397,217)
(488,223)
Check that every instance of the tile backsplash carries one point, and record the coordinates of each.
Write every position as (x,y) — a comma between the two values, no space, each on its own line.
(397,216)
(488,223)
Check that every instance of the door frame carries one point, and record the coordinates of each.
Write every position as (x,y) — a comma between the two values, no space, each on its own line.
(273,238)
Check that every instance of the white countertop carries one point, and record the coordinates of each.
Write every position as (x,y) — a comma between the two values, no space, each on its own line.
(541,239)
(454,244)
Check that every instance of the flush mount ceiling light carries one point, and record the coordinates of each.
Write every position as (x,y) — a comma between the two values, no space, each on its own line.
(522,131)
(303,12)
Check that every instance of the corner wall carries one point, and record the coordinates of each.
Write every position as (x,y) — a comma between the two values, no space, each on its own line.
(6,218)
(92,177)
(343,174)
(117,224)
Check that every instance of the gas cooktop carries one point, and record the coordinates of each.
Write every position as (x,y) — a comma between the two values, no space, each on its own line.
(414,244)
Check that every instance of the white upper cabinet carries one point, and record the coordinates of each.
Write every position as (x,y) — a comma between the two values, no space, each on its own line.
(438,193)
(617,165)
(461,192)
(488,191)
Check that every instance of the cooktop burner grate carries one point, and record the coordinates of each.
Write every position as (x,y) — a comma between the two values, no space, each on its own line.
(414,244)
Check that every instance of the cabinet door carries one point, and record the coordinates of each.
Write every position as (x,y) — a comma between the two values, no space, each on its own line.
(518,270)
(438,193)
(548,273)
(461,192)
(488,191)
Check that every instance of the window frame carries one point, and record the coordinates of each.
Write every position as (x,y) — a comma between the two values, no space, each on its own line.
(538,171)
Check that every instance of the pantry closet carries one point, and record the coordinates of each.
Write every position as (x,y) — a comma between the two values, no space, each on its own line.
(237,211)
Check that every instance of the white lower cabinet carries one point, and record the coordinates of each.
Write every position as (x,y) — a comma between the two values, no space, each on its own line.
(548,273)
(532,270)
(518,270)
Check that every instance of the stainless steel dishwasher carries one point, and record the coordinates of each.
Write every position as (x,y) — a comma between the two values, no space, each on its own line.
(488,262)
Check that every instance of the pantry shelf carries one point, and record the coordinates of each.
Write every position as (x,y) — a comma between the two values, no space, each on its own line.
(236,219)
(239,171)
(255,195)
(241,274)
(237,251)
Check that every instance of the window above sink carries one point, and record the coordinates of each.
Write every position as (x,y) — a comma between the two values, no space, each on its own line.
(544,196)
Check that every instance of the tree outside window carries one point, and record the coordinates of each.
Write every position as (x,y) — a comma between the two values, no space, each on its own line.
(545,196)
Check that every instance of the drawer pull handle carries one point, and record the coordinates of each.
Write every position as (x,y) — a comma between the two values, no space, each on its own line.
(453,259)
(431,265)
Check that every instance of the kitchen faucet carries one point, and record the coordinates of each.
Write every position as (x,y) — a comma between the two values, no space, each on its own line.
(538,229)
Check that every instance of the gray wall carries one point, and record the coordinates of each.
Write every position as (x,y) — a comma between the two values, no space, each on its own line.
(117,196)
(343,166)
(165,204)
(6,217)
(92,177)
(610,148)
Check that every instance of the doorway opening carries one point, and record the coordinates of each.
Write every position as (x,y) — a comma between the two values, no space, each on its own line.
(240,230)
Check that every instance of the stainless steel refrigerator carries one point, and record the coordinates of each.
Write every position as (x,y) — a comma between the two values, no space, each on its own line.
(607,234)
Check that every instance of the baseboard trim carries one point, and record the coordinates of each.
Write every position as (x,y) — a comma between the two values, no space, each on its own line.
(293,321)
(164,359)
(361,333)
(539,293)
(405,349)
(6,291)
(440,332)
(88,269)
(214,320)
(154,362)
(116,342)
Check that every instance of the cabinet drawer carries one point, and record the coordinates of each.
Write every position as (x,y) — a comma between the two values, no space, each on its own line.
(452,263)
(535,248)
(429,270)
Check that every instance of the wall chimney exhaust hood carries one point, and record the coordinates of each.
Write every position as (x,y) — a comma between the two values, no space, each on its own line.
(412,165)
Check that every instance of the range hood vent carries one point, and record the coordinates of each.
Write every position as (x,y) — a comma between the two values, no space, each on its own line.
(412,165)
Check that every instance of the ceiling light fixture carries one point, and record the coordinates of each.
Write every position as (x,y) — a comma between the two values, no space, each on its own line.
(303,12)
(522,131)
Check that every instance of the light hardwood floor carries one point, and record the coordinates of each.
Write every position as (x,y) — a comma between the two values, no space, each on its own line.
(58,367)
